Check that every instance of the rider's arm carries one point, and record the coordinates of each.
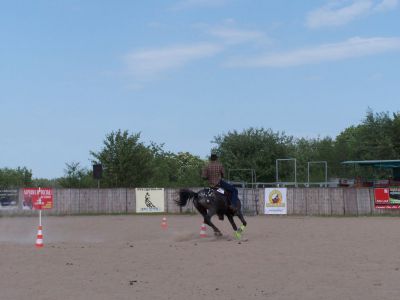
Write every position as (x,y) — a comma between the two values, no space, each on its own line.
(204,173)
(222,171)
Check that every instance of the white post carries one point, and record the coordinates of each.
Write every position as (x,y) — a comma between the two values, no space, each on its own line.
(40,210)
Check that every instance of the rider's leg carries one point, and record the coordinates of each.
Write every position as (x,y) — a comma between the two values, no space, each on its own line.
(234,192)
(235,197)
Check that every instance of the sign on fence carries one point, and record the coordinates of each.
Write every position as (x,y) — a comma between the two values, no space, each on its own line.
(387,198)
(8,199)
(149,200)
(275,201)
(38,198)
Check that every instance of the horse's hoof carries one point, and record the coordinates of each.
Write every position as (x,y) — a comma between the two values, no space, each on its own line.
(238,235)
(217,233)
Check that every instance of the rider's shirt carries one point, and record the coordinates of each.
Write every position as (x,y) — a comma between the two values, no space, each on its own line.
(213,172)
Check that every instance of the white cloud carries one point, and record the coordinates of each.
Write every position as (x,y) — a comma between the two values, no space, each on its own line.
(387,5)
(352,48)
(337,13)
(331,15)
(229,33)
(187,4)
(376,76)
(236,36)
(147,64)
(151,62)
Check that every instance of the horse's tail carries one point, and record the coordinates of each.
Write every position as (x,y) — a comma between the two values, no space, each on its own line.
(184,196)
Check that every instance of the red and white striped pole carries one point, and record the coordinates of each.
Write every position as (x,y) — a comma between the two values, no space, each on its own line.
(39,237)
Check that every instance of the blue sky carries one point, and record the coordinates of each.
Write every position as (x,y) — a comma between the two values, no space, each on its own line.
(184,71)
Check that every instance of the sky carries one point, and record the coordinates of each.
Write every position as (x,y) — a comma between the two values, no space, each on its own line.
(181,72)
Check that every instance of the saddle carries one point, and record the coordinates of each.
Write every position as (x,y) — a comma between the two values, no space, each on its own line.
(219,190)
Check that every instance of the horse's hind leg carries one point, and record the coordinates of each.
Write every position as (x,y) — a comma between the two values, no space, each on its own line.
(207,220)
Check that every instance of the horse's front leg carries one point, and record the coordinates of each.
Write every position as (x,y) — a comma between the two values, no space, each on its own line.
(207,220)
(240,216)
(238,232)
(232,221)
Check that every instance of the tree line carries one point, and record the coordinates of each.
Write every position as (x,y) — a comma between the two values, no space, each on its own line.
(128,162)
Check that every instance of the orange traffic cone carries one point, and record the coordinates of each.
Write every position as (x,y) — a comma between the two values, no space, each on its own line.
(164,224)
(203,232)
(39,238)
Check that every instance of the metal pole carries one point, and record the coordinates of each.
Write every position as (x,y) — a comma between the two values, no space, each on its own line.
(326,174)
(40,205)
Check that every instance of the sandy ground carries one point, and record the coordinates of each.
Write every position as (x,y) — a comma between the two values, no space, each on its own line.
(131,257)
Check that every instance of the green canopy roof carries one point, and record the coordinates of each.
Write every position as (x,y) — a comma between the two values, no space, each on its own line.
(390,164)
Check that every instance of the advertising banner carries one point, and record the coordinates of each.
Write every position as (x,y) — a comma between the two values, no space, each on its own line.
(38,198)
(387,198)
(149,200)
(8,199)
(275,201)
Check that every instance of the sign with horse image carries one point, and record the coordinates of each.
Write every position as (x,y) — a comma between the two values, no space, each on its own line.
(275,201)
(149,200)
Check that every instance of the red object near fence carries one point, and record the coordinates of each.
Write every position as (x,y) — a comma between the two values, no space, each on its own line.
(38,198)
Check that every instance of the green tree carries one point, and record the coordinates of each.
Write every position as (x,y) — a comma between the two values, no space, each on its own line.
(126,161)
(253,148)
(13,178)
(312,150)
(395,134)
(376,138)
(76,177)
(175,170)
(346,144)
(46,183)
(164,167)
(189,169)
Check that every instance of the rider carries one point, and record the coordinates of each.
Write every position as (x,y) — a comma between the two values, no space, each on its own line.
(214,172)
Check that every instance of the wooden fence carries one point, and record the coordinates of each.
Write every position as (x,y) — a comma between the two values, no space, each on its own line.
(300,201)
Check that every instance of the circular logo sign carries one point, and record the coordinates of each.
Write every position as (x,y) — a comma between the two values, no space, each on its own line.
(275,197)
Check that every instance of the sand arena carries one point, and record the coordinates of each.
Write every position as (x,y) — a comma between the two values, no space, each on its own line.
(131,257)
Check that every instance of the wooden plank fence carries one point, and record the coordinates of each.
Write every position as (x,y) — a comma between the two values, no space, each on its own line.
(300,201)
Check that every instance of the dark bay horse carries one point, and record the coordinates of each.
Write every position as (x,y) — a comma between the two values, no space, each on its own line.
(210,202)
